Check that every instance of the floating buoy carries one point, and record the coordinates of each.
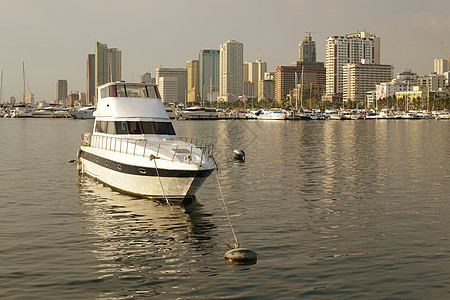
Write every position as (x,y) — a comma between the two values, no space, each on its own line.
(240,256)
(238,154)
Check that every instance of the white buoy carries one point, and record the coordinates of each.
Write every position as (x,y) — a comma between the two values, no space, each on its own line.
(238,154)
(240,256)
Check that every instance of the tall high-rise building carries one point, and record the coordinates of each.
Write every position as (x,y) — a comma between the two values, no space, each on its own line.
(61,90)
(361,47)
(231,73)
(193,94)
(90,79)
(307,49)
(108,65)
(253,72)
(441,66)
(208,75)
(173,81)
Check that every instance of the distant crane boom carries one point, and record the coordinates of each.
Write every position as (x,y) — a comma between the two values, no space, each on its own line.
(448,58)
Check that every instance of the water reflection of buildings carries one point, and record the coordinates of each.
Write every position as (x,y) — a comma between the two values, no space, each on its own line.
(137,236)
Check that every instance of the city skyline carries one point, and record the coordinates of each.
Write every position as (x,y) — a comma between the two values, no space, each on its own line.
(55,45)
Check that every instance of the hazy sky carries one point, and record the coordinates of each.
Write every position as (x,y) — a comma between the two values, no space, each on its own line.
(53,37)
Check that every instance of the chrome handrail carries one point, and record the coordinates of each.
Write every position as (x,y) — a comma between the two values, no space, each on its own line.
(131,146)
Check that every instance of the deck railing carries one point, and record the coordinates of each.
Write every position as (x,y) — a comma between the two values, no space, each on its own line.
(145,148)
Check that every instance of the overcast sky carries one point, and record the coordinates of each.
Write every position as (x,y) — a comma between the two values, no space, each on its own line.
(53,37)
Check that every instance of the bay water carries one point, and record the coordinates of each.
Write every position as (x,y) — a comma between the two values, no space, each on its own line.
(334,210)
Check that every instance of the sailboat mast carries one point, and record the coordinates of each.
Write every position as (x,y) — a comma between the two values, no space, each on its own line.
(296,91)
(301,97)
(23,71)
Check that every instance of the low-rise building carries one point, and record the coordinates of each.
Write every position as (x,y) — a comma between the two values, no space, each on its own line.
(266,89)
(360,78)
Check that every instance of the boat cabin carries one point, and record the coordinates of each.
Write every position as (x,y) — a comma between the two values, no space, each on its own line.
(129,90)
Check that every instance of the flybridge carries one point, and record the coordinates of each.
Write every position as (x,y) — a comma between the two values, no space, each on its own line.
(129,90)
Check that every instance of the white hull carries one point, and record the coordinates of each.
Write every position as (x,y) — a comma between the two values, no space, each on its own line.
(135,173)
(272,115)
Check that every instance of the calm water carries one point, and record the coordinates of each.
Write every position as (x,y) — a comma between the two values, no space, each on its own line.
(334,209)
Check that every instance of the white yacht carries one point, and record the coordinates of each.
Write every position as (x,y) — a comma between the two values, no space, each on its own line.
(198,113)
(134,148)
(271,114)
(86,112)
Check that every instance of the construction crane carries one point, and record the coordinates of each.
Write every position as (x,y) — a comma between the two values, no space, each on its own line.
(448,58)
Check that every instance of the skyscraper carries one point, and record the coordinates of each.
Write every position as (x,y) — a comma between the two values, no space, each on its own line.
(307,49)
(193,94)
(441,66)
(209,74)
(231,68)
(61,90)
(90,78)
(361,47)
(253,72)
(108,65)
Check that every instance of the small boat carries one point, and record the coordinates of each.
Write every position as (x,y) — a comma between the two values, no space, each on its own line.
(271,113)
(332,114)
(199,113)
(86,112)
(134,149)
(21,111)
(51,112)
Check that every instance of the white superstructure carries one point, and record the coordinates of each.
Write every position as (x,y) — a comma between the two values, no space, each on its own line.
(133,147)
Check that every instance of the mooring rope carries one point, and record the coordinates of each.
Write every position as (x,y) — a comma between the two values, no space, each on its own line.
(226,210)
(152,157)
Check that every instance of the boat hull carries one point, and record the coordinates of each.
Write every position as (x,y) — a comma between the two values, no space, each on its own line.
(177,185)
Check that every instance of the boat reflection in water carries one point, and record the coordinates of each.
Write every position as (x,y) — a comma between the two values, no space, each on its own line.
(141,238)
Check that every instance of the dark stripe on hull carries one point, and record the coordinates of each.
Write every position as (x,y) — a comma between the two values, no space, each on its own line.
(142,171)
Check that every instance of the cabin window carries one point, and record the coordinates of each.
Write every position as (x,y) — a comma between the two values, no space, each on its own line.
(111,128)
(152,92)
(134,128)
(158,128)
(121,91)
(103,93)
(100,126)
(112,91)
(136,91)
(121,127)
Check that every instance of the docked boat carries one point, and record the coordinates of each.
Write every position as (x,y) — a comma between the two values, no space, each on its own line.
(199,113)
(271,114)
(86,112)
(171,112)
(332,114)
(133,147)
(21,111)
(51,112)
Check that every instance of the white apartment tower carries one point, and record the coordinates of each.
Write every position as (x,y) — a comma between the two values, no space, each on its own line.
(441,66)
(253,73)
(361,47)
(231,71)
